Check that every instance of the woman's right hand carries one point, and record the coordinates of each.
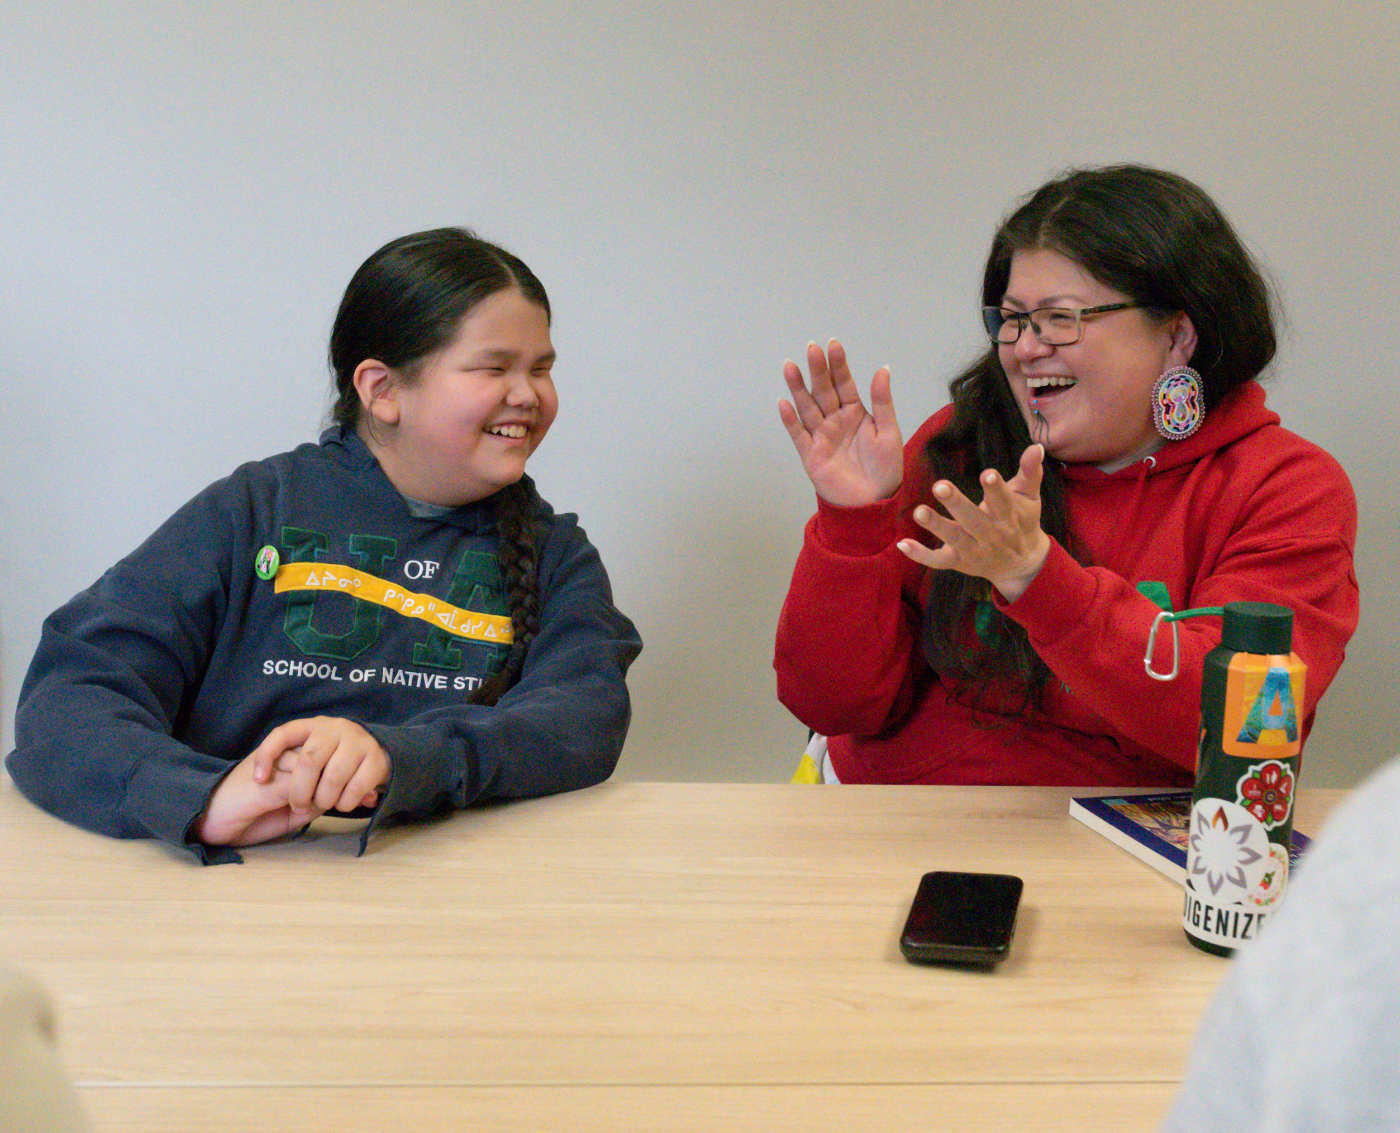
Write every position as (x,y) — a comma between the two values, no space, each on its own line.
(853,457)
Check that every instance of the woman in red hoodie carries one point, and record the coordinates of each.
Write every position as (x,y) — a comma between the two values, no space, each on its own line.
(974,606)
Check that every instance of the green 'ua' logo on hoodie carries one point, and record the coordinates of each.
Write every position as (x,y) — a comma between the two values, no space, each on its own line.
(475,585)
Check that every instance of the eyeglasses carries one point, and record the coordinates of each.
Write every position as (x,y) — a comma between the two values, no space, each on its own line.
(1054,326)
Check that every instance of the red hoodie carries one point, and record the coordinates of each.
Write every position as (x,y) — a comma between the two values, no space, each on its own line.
(1242,511)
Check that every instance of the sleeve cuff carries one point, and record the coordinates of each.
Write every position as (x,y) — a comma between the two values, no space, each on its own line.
(166,805)
(1054,602)
(856,531)
(418,783)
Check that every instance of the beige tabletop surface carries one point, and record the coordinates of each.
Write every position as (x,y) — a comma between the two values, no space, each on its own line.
(658,956)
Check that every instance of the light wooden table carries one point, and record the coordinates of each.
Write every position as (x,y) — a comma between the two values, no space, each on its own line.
(636,956)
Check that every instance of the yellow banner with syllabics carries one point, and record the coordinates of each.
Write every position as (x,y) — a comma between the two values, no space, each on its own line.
(337,579)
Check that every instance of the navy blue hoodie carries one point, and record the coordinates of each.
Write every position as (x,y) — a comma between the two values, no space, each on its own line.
(149,686)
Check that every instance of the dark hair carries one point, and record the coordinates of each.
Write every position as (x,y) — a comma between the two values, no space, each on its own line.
(1161,241)
(404,303)
(518,554)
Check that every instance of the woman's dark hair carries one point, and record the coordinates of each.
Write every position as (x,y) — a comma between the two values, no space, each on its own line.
(1158,239)
(404,303)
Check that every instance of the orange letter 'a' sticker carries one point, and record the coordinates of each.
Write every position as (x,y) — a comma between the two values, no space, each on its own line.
(1262,699)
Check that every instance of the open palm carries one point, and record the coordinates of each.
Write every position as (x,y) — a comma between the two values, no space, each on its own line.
(852,456)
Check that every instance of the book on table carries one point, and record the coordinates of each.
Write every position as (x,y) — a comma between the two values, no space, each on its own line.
(1152,826)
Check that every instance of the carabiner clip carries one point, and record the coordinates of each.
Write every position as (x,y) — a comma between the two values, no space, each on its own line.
(1152,641)
(1173,618)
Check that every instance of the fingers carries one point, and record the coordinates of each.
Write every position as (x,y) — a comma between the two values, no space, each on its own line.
(319,772)
(301,770)
(336,766)
(882,401)
(362,789)
(999,539)
(797,430)
(347,779)
(1031,472)
(963,516)
(968,533)
(935,558)
(306,777)
(997,499)
(842,384)
(810,407)
(808,410)
(823,391)
(241,811)
(831,385)
(803,403)
(833,389)
(956,532)
(281,739)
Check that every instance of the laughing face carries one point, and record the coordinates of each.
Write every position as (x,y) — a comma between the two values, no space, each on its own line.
(1089,402)
(462,427)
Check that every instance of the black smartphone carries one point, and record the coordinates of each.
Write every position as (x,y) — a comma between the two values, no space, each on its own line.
(962,918)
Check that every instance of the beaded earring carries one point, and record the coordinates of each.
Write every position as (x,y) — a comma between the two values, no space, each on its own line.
(1178,403)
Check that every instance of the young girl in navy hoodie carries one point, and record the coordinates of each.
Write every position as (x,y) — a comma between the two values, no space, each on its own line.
(391,619)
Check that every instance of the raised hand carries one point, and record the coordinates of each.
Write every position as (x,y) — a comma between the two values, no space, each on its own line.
(999,539)
(853,457)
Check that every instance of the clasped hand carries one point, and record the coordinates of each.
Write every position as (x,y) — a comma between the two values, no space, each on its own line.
(301,770)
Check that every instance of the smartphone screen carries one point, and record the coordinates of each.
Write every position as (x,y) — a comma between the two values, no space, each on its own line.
(966,918)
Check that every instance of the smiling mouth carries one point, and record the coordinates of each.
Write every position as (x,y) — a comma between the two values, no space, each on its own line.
(1040,387)
(510,432)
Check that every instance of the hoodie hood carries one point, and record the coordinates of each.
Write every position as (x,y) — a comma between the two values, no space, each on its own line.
(1241,413)
(1111,513)
(345,447)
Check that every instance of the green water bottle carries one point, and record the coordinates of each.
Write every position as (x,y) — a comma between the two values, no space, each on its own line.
(1241,821)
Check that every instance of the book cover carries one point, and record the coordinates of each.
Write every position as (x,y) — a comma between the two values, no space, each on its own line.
(1152,827)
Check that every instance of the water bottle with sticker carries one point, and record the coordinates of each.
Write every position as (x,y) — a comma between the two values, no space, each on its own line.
(1241,821)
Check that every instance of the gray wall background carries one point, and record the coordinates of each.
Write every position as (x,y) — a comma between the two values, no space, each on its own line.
(187,187)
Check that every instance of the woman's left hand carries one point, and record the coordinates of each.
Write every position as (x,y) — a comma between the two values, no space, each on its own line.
(999,539)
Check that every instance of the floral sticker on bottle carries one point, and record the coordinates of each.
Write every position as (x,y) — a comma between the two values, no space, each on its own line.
(1272,884)
(1227,852)
(1266,791)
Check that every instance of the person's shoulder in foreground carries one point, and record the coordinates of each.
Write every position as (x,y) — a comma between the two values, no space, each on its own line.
(1304,1033)
(35,1093)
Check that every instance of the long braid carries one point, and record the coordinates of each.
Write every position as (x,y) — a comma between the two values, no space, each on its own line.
(519,558)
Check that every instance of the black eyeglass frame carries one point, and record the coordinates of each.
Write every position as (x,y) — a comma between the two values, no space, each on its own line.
(994,318)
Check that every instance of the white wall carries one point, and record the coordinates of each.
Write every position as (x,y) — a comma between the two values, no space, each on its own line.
(187,187)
